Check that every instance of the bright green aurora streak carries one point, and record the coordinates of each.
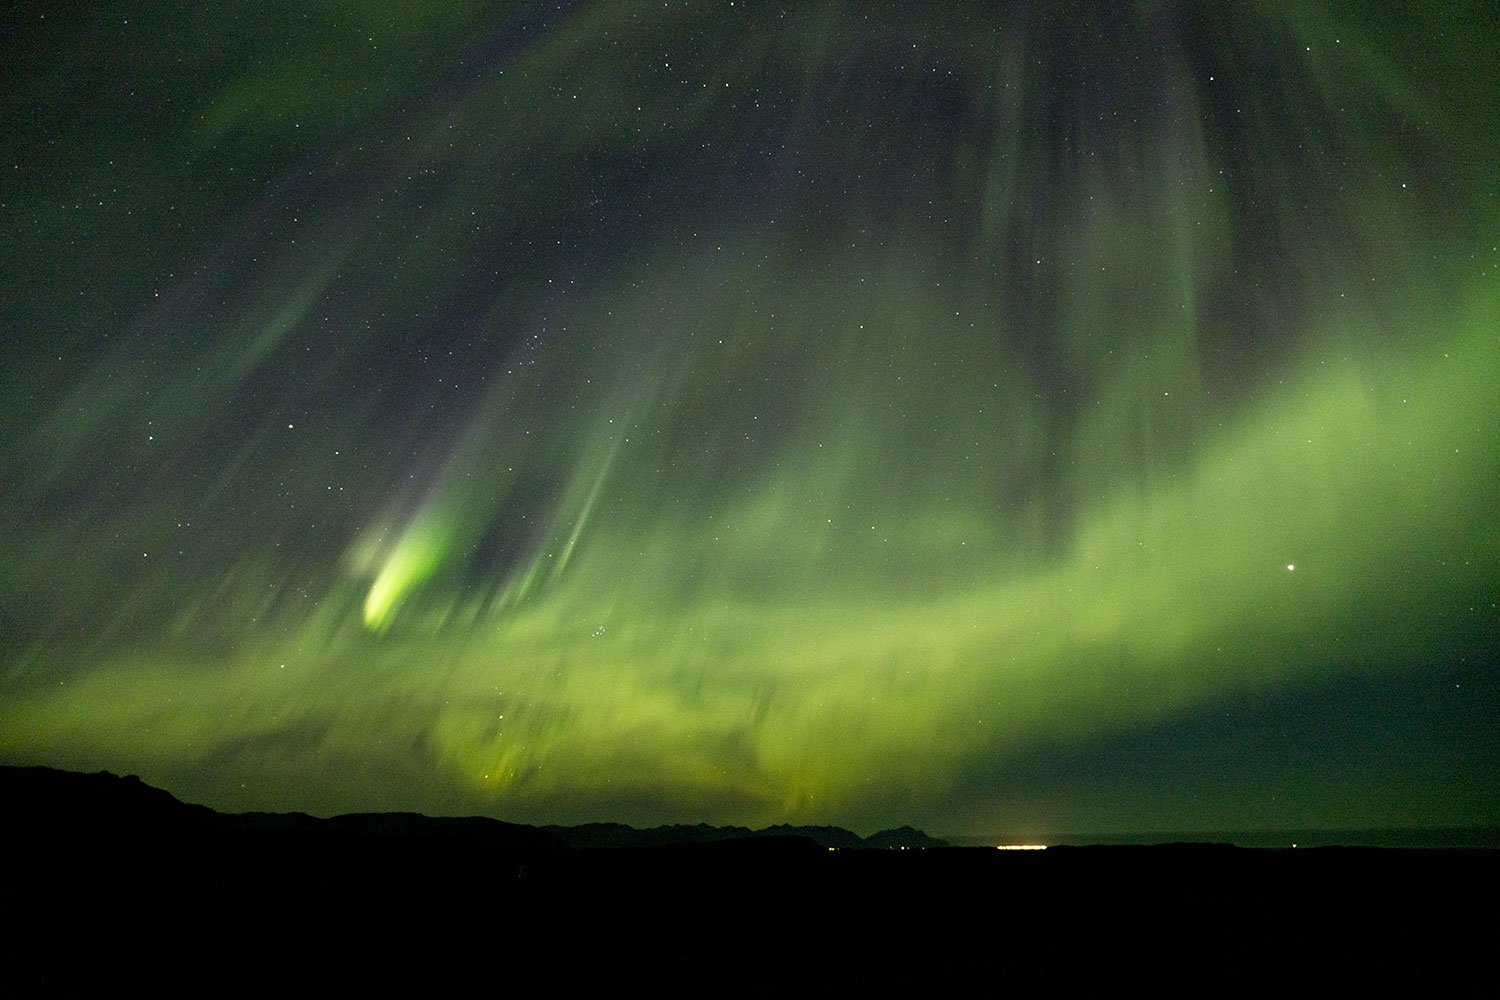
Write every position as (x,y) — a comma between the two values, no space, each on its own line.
(768,416)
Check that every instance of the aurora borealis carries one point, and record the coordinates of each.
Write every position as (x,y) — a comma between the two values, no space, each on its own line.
(1027,417)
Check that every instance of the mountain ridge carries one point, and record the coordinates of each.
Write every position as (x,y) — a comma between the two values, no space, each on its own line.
(54,806)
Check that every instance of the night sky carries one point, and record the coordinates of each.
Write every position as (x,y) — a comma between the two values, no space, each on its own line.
(1028,417)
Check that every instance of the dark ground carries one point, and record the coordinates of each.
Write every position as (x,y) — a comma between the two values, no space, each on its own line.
(102,860)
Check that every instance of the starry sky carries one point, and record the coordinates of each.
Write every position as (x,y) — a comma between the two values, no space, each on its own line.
(1016,417)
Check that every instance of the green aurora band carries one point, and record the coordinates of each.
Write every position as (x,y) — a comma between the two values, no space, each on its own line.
(802,418)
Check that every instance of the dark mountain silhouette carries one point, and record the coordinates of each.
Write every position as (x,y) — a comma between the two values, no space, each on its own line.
(55,798)
(94,817)
(617,835)
(117,858)
(904,838)
(102,844)
(824,836)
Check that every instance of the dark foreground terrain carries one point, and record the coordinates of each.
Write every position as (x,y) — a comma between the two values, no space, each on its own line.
(103,856)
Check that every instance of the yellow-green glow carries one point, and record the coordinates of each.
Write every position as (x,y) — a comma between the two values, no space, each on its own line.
(864,418)
(416,557)
(618,683)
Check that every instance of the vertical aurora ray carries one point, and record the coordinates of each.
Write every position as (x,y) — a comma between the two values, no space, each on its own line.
(763,416)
